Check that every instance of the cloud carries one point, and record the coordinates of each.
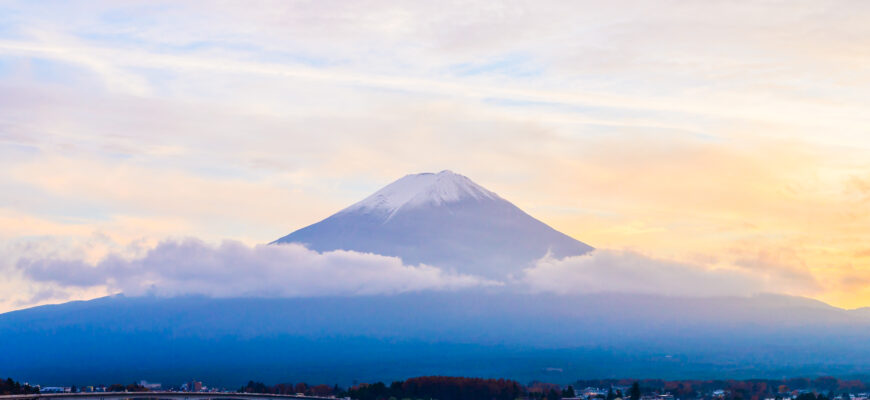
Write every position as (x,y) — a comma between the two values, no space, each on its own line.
(628,272)
(191,266)
(42,295)
(232,269)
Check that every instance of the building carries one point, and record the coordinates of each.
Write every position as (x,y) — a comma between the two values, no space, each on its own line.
(592,392)
(149,385)
(194,386)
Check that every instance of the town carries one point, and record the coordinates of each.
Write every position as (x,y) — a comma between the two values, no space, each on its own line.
(460,388)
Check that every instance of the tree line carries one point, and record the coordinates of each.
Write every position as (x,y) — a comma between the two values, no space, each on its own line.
(133,387)
(460,388)
(440,388)
(822,388)
(426,387)
(13,387)
(289,388)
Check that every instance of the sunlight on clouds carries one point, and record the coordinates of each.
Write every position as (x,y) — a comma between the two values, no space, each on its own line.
(774,206)
(730,135)
(132,194)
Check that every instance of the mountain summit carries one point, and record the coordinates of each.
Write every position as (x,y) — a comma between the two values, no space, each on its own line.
(418,190)
(445,220)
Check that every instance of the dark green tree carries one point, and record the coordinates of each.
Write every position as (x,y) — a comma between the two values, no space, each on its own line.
(634,393)
(569,392)
(9,386)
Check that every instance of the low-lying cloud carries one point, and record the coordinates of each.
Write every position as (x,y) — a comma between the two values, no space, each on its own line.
(231,268)
(628,272)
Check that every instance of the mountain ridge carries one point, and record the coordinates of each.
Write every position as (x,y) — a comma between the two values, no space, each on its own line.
(226,341)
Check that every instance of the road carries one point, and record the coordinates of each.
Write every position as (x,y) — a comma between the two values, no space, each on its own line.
(157,396)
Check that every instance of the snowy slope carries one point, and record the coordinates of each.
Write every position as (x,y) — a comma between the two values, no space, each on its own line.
(420,190)
(442,219)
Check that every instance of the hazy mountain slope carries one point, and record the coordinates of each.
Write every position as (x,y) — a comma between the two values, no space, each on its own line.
(441,219)
(339,339)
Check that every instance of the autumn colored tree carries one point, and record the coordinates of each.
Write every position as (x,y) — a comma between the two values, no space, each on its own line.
(320,390)
(135,387)
(441,388)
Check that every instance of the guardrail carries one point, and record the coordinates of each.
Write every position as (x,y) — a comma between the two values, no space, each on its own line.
(158,395)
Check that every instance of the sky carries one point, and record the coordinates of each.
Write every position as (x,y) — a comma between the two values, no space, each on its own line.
(712,139)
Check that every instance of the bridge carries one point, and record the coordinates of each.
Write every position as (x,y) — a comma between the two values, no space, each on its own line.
(159,396)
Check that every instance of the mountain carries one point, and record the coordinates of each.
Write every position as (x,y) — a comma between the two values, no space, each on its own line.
(445,220)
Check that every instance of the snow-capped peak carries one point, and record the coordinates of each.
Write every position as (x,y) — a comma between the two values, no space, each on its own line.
(423,189)
(443,220)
